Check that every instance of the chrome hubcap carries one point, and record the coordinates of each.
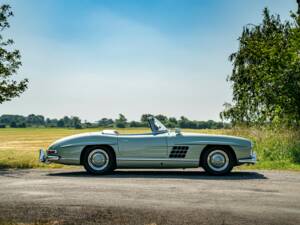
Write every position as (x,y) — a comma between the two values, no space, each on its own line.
(218,160)
(98,159)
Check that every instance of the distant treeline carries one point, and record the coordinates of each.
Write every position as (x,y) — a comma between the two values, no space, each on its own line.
(32,120)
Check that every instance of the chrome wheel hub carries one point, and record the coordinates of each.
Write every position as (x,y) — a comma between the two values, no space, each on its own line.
(98,159)
(218,160)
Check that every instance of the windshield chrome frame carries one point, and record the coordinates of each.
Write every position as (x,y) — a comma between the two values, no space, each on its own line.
(151,121)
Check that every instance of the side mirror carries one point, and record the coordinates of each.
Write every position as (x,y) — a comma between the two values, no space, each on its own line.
(177,131)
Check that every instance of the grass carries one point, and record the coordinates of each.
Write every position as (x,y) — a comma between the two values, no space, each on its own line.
(19,146)
(276,149)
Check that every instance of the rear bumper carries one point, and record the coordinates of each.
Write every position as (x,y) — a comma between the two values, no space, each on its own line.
(251,160)
(44,158)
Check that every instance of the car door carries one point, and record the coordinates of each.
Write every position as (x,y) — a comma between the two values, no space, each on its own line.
(142,150)
(182,151)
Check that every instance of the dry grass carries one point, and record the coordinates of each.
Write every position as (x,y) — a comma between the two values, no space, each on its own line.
(19,146)
(278,149)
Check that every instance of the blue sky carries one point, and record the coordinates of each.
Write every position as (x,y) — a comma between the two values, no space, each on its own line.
(95,59)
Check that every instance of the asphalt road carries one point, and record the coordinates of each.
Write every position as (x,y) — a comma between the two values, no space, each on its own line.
(149,197)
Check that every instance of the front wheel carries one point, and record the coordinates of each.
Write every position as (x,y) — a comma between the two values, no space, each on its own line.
(99,161)
(217,161)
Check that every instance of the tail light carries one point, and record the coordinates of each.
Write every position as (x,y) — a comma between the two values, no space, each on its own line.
(51,151)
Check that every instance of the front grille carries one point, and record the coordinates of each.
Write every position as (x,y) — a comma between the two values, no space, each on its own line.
(179,152)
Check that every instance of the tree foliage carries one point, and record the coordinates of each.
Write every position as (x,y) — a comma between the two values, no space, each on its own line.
(105,122)
(9,62)
(266,73)
(33,120)
(121,122)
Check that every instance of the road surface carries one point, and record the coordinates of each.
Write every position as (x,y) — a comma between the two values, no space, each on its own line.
(61,196)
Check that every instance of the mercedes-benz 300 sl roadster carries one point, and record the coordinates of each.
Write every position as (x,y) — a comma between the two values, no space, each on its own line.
(102,152)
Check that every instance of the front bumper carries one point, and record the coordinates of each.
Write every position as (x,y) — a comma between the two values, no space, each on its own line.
(44,158)
(251,160)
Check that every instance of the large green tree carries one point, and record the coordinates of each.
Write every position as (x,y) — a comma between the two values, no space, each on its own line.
(10,61)
(266,73)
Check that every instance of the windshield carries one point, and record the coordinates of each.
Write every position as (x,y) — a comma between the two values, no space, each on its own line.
(158,126)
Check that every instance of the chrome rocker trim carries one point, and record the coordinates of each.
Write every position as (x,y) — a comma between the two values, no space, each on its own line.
(44,158)
(251,160)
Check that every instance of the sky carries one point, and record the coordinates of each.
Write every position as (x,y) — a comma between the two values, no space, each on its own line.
(96,59)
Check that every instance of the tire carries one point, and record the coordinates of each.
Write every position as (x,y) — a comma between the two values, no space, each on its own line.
(217,160)
(99,161)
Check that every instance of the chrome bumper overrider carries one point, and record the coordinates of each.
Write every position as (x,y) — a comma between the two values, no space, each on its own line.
(44,158)
(251,160)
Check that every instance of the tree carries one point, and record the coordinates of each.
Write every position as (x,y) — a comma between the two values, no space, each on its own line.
(61,123)
(136,124)
(12,120)
(67,121)
(162,118)
(121,122)
(298,2)
(144,118)
(172,122)
(51,122)
(9,62)
(105,122)
(13,124)
(35,120)
(76,122)
(266,73)
(184,122)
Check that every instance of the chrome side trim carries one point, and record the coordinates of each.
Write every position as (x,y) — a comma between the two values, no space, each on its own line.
(251,160)
(88,143)
(52,158)
(210,143)
(157,159)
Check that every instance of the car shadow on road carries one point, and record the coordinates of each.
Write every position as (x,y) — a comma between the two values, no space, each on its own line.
(165,174)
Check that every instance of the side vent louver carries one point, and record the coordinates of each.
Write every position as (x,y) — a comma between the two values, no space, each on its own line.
(178,151)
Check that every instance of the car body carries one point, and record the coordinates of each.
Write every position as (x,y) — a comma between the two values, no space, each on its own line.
(160,148)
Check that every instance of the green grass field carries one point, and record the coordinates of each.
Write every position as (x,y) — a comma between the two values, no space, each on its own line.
(276,149)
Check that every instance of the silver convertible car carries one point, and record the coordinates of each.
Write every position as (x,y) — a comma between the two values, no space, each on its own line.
(102,152)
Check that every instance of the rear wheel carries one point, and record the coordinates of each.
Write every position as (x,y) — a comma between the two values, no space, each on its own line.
(99,161)
(217,160)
